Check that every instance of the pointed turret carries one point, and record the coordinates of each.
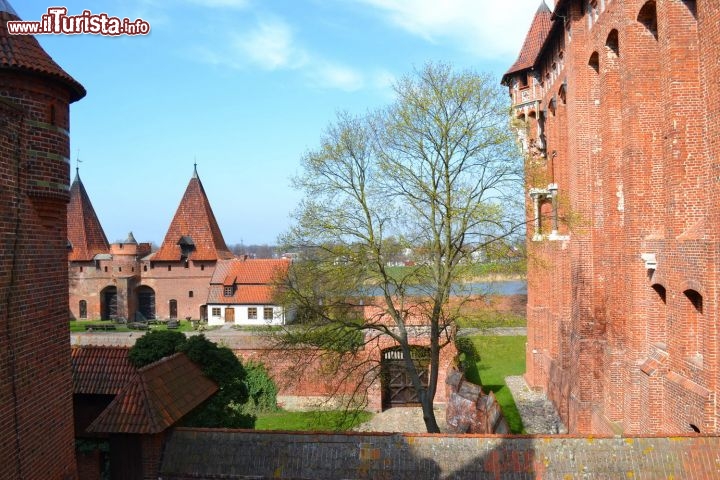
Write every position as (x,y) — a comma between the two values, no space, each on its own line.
(23,53)
(85,233)
(534,41)
(194,233)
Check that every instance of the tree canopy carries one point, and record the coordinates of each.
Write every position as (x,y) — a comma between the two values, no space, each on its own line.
(438,172)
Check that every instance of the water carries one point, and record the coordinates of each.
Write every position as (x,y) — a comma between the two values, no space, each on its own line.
(504,287)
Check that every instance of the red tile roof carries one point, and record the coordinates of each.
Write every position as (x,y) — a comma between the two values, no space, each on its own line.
(24,53)
(159,396)
(85,233)
(534,40)
(101,370)
(254,280)
(194,220)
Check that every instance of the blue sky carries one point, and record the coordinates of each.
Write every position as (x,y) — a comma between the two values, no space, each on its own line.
(246,87)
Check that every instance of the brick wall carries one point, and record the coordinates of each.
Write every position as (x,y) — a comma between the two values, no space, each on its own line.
(36,427)
(227,454)
(627,110)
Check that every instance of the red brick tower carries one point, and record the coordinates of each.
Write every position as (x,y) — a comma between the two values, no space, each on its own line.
(36,425)
(615,108)
(85,234)
(179,273)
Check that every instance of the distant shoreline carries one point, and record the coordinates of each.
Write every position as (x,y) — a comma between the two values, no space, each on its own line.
(496,277)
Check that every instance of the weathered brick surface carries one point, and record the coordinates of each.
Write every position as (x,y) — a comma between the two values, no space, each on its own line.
(622,94)
(197,453)
(36,427)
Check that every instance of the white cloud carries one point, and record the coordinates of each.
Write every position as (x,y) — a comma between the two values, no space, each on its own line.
(486,28)
(220,3)
(271,45)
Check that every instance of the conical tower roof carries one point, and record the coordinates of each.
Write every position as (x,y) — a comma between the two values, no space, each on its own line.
(194,233)
(534,40)
(85,233)
(23,53)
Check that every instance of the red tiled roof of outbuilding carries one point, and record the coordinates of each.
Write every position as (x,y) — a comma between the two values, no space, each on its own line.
(534,40)
(24,53)
(159,396)
(194,221)
(84,231)
(99,370)
(254,280)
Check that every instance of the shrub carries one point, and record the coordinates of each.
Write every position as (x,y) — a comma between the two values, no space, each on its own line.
(153,346)
(262,391)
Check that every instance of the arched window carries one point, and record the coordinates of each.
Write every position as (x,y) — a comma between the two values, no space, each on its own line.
(594,62)
(693,326)
(83,309)
(613,44)
(648,17)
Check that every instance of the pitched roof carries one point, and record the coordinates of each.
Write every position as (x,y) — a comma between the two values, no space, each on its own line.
(254,280)
(194,229)
(534,40)
(24,53)
(85,233)
(101,370)
(160,395)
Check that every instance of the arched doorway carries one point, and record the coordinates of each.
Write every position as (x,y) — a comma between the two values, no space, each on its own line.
(397,386)
(108,303)
(146,302)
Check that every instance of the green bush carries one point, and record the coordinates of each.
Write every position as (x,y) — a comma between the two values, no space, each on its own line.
(153,346)
(262,391)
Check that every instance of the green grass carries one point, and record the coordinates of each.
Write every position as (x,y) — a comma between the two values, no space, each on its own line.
(499,357)
(316,421)
(491,319)
(77,326)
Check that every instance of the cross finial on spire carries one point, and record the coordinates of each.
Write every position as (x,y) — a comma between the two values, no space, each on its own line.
(195,174)
(77,164)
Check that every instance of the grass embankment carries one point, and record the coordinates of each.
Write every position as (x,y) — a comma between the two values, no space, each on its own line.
(77,326)
(491,360)
(323,420)
(478,272)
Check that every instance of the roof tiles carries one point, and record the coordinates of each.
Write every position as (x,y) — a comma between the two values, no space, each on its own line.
(101,370)
(194,223)
(534,40)
(159,396)
(85,233)
(254,280)
(24,53)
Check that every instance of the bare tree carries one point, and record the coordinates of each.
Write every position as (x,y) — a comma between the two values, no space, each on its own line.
(437,171)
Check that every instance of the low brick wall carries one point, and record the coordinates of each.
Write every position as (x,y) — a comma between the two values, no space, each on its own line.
(227,454)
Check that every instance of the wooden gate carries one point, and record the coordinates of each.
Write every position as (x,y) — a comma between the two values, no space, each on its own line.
(109,303)
(398,389)
(146,302)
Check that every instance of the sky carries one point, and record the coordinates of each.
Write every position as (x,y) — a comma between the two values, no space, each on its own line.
(245,88)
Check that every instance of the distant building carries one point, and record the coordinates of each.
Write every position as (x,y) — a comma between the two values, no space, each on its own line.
(615,105)
(184,278)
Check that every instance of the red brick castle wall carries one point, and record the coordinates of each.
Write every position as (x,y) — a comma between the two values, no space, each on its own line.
(36,427)
(616,110)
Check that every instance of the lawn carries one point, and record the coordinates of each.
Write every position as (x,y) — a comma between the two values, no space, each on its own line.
(315,421)
(77,326)
(495,359)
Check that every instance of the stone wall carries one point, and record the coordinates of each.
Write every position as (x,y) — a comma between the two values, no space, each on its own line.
(227,454)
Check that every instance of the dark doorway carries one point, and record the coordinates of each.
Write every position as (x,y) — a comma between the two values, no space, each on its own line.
(146,302)
(203,312)
(173,309)
(83,309)
(108,308)
(398,389)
